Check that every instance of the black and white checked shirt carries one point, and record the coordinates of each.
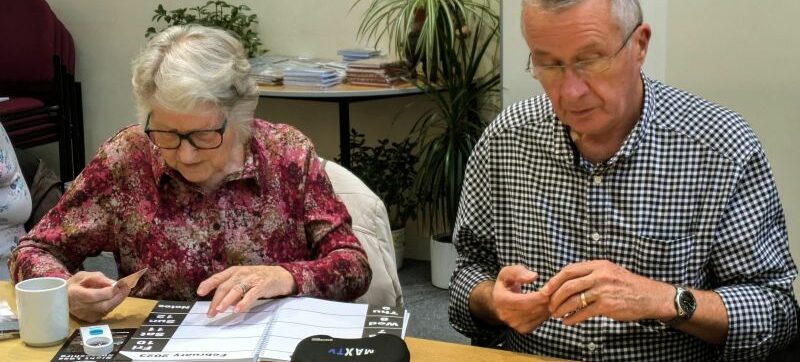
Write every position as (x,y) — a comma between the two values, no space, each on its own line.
(689,199)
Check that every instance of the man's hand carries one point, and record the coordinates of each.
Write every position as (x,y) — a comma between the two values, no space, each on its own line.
(92,296)
(240,286)
(608,290)
(505,303)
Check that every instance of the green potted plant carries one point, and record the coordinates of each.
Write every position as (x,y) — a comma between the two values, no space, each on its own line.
(464,87)
(216,13)
(421,30)
(387,168)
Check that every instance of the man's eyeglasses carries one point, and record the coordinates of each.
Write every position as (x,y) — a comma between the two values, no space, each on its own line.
(204,139)
(589,67)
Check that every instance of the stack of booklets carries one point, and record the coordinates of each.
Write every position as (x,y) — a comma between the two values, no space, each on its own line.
(313,76)
(354,54)
(377,72)
(268,69)
(269,331)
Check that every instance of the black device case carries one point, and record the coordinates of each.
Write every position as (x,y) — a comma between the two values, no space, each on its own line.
(322,348)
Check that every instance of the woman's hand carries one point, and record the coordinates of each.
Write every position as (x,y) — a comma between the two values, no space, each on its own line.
(240,286)
(92,295)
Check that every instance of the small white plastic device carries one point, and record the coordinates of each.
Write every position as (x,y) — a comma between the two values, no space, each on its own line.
(97,340)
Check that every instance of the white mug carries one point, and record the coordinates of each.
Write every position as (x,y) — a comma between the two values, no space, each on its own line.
(43,311)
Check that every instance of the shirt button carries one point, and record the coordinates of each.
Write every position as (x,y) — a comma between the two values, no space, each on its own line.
(591,346)
(597,180)
(596,236)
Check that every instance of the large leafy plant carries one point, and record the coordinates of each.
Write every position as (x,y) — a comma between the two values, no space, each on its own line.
(387,168)
(464,96)
(214,13)
(423,30)
(456,40)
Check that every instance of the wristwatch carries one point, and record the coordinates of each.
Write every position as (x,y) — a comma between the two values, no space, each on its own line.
(685,304)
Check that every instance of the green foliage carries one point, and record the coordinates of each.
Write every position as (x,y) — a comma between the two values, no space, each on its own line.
(447,133)
(388,170)
(423,30)
(214,13)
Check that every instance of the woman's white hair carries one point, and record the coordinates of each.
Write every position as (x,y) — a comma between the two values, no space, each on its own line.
(628,13)
(186,66)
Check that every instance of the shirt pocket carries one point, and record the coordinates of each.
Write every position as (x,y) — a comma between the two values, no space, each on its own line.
(663,259)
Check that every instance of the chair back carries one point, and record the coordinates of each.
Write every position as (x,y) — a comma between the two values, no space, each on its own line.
(371,227)
(27,42)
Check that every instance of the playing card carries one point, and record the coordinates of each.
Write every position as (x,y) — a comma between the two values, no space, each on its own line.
(131,279)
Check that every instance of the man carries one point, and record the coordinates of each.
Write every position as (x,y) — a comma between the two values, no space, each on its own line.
(616,217)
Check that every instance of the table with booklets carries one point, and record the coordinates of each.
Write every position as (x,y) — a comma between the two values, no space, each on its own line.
(133,312)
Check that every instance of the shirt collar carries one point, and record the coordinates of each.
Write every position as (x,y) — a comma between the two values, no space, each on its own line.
(248,171)
(564,150)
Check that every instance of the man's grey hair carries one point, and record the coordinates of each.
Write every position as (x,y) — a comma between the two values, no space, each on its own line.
(190,65)
(627,12)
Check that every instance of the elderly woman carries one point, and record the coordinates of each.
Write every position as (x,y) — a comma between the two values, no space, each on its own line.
(203,195)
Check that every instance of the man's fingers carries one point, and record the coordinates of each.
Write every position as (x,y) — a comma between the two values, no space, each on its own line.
(569,289)
(513,277)
(569,272)
(581,315)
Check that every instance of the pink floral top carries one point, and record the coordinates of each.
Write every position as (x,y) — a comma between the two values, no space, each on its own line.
(279,210)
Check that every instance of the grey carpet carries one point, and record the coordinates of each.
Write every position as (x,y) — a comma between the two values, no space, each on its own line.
(426,303)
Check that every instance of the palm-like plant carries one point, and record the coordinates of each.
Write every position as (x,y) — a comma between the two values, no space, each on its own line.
(448,132)
(423,30)
(453,39)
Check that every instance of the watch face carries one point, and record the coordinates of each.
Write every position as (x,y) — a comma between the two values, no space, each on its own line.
(687,303)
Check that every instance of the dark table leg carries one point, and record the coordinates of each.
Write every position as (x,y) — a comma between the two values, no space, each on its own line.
(344,132)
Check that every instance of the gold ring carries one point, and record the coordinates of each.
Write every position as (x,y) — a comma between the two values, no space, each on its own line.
(584,304)
(244,287)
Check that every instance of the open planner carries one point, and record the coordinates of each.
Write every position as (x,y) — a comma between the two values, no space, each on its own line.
(269,331)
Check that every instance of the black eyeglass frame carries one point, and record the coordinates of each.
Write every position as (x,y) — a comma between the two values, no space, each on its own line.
(185,136)
(531,68)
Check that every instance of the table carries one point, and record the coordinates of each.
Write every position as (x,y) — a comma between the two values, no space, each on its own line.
(132,312)
(343,94)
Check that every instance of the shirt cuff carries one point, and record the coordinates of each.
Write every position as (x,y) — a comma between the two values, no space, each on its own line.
(752,329)
(462,284)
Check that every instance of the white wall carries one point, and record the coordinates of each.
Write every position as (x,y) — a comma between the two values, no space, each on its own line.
(743,54)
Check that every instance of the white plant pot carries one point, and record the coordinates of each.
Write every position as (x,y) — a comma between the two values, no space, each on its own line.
(399,241)
(443,262)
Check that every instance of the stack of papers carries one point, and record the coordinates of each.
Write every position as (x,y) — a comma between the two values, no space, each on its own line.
(378,72)
(297,71)
(313,76)
(354,54)
(268,69)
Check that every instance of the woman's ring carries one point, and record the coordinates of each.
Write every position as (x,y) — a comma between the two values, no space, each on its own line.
(584,303)
(244,287)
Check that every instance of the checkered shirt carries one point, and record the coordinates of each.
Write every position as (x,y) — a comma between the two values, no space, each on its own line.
(689,199)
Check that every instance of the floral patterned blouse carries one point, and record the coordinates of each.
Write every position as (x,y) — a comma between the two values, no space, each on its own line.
(279,210)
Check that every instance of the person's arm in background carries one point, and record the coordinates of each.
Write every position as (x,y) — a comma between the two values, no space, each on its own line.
(82,224)
(753,266)
(15,201)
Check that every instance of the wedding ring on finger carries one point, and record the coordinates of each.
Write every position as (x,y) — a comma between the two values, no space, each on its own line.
(584,303)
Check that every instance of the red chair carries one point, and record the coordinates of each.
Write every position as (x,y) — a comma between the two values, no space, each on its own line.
(37,68)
